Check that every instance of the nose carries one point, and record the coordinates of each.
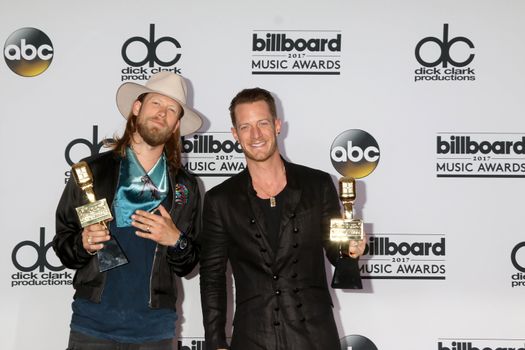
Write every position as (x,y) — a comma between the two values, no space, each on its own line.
(255,132)
(162,112)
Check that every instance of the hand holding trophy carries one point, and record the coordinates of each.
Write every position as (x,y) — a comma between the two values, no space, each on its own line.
(97,211)
(342,231)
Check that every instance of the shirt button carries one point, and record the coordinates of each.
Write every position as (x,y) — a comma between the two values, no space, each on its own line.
(295,230)
(252,221)
(293,215)
(275,277)
(278,292)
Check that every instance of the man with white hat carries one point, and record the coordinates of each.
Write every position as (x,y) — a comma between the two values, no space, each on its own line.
(155,204)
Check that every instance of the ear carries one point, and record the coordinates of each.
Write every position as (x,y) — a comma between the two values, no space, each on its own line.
(136,107)
(277,125)
(234,133)
(177,125)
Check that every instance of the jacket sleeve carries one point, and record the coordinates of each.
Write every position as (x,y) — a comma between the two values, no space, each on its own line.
(182,262)
(67,242)
(214,257)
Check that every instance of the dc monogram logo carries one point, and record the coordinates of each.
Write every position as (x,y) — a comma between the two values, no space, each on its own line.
(151,45)
(514,259)
(444,45)
(94,146)
(41,249)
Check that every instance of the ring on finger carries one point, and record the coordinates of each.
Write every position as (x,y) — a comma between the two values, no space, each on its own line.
(89,240)
(147,229)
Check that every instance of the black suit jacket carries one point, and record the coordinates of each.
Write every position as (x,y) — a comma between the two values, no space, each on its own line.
(282,297)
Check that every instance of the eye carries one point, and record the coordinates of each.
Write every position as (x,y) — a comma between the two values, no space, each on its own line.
(243,127)
(264,123)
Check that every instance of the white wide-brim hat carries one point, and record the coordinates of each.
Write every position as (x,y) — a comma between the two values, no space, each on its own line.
(164,83)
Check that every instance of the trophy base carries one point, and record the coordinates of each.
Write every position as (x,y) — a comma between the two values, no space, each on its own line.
(346,274)
(111,256)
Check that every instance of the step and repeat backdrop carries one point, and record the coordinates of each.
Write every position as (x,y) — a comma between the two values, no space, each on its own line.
(422,101)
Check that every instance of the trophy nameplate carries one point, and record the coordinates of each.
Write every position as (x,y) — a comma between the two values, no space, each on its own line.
(344,230)
(94,212)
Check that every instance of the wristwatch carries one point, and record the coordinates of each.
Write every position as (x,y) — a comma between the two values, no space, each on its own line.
(181,243)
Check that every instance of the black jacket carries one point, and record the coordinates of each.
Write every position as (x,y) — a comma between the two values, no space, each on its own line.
(282,297)
(67,243)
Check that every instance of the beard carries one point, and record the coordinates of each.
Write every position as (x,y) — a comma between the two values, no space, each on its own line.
(153,135)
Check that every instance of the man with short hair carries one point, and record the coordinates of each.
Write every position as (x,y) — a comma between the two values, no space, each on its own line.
(271,222)
(155,204)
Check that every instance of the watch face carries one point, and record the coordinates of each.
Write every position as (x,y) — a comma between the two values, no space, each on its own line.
(182,243)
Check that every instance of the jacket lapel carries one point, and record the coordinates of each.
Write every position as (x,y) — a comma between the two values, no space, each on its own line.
(291,200)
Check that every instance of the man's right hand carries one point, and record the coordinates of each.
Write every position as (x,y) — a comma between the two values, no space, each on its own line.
(93,237)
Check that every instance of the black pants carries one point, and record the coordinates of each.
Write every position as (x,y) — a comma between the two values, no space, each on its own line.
(79,341)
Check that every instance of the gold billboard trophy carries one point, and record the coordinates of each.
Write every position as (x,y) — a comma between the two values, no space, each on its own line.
(97,211)
(342,231)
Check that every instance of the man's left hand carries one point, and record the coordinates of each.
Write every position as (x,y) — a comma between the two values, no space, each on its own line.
(356,248)
(158,228)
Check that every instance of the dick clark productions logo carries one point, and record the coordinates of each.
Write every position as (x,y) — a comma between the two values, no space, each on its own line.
(436,54)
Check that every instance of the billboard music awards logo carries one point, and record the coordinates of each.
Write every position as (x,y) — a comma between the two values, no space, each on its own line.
(148,55)
(302,52)
(517,257)
(28,52)
(443,58)
(354,153)
(481,154)
(357,342)
(404,256)
(81,148)
(191,344)
(480,344)
(212,154)
(37,265)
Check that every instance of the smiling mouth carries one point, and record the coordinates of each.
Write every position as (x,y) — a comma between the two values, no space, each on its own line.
(258,144)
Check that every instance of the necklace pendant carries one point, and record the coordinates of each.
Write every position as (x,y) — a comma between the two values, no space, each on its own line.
(272,202)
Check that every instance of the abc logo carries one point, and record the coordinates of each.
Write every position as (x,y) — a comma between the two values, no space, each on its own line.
(444,46)
(41,255)
(151,54)
(514,257)
(354,153)
(28,52)
(357,342)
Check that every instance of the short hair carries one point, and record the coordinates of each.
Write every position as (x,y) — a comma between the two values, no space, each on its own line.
(252,95)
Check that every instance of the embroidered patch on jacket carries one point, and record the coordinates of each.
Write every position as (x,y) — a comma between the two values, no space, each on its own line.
(181,194)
